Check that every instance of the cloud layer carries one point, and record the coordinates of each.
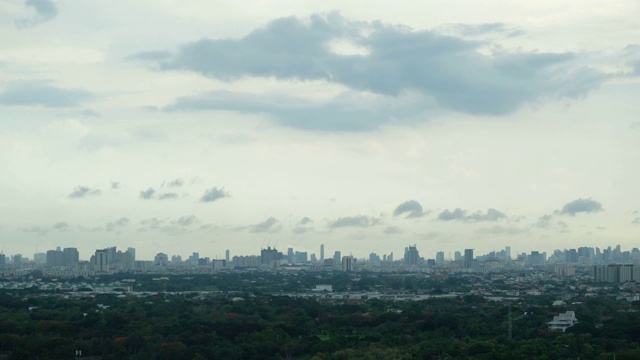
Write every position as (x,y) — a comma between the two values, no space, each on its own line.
(391,61)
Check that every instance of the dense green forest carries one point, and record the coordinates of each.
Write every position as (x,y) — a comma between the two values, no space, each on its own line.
(260,326)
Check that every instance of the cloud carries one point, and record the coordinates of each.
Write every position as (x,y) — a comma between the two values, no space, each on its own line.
(186,220)
(412,208)
(83,191)
(115,185)
(214,194)
(41,93)
(114,226)
(46,10)
(151,193)
(447,70)
(464,215)
(61,226)
(90,113)
(636,221)
(147,194)
(391,230)
(305,220)
(340,113)
(354,221)
(175,183)
(177,226)
(635,125)
(301,230)
(269,225)
(581,206)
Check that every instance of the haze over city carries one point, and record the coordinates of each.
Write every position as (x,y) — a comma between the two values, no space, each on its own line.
(205,126)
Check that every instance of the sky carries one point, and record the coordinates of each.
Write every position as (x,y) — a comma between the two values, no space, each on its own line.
(182,126)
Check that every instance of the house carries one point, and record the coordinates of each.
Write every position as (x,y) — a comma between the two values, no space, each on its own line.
(563,321)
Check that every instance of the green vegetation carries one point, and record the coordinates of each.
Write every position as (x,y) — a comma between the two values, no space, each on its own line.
(265,326)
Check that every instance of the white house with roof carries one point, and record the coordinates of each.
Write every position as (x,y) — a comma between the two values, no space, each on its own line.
(563,321)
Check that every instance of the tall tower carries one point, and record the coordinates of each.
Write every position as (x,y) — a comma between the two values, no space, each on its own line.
(322,252)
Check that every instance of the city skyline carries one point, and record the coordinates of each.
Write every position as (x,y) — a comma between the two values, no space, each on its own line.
(182,126)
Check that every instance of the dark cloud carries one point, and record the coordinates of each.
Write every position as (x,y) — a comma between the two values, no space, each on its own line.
(269,225)
(391,230)
(449,70)
(41,93)
(115,185)
(214,194)
(46,10)
(636,221)
(305,220)
(412,208)
(464,215)
(83,191)
(354,221)
(581,206)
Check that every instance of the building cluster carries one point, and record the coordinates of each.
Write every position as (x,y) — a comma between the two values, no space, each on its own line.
(608,265)
(616,273)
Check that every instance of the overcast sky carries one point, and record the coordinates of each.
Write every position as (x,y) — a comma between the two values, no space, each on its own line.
(181,126)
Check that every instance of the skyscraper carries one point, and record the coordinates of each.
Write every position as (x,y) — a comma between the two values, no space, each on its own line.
(411,255)
(322,252)
(468,258)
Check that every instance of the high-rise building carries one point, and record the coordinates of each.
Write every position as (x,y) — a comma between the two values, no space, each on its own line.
(507,252)
(468,258)
(457,256)
(269,255)
(161,259)
(290,256)
(337,257)
(227,255)
(101,260)
(132,251)
(440,258)
(411,255)
(70,257)
(322,252)
(347,263)
(54,259)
